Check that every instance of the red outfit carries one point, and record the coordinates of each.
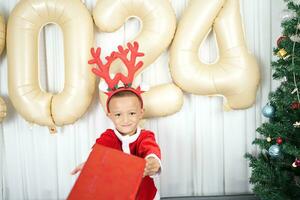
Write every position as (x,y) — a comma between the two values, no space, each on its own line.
(141,145)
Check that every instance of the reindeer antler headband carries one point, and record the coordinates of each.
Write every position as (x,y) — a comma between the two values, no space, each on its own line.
(132,67)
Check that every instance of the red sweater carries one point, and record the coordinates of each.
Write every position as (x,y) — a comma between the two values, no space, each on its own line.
(142,146)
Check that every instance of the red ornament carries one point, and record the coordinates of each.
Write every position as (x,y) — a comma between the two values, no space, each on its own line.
(279,140)
(280,39)
(295,105)
(297,162)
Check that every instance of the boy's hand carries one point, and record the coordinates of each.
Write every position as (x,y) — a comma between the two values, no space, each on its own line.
(152,166)
(77,169)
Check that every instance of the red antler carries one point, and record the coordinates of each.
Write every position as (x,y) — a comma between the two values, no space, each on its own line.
(131,65)
(103,69)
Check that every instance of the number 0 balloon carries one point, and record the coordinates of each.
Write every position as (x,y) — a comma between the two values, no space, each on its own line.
(2,44)
(24,25)
(2,34)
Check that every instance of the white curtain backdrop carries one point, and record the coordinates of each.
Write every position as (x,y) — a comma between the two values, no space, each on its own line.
(202,146)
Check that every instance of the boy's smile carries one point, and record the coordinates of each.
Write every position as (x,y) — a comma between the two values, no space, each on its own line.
(125,113)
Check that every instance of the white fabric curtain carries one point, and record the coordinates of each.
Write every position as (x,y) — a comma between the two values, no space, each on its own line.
(202,146)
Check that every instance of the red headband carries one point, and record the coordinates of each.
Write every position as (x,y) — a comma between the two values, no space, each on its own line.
(132,67)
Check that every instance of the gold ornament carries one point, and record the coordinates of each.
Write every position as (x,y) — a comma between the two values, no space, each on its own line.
(281,53)
(269,139)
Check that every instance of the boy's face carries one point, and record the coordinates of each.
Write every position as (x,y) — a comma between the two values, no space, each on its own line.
(125,113)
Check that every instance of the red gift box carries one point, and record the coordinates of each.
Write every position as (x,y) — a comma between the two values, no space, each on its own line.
(108,174)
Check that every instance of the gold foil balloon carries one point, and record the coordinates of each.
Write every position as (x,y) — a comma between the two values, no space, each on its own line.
(235,75)
(2,109)
(25,22)
(2,44)
(2,34)
(158,28)
(169,94)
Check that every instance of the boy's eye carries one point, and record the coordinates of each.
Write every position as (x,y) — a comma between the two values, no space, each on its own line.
(132,113)
(117,115)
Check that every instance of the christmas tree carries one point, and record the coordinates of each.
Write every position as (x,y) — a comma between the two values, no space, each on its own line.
(276,168)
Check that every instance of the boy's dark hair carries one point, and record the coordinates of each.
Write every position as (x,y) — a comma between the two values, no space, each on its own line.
(126,93)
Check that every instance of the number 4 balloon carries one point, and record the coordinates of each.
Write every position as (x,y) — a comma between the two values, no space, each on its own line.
(235,75)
